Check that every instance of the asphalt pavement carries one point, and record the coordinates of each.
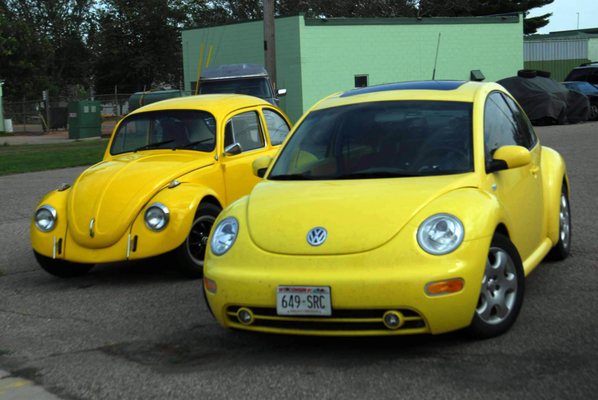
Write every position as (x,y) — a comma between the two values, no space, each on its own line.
(139,331)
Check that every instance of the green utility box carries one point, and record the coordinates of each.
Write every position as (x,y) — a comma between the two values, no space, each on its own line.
(85,119)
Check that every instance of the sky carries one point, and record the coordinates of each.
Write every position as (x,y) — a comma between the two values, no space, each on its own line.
(565,14)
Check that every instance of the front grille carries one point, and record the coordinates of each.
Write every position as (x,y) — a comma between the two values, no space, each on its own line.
(359,321)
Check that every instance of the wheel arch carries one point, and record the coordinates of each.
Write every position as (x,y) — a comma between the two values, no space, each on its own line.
(183,202)
(209,199)
(503,230)
(554,176)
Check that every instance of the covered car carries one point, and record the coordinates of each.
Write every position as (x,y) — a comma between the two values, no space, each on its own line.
(545,100)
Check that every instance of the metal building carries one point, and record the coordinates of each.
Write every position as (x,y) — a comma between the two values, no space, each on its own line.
(559,52)
(316,56)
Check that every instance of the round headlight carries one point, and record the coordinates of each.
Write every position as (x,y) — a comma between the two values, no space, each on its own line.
(224,236)
(156,217)
(45,218)
(440,234)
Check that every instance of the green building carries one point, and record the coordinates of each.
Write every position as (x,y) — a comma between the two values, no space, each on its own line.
(316,57)
(559,52)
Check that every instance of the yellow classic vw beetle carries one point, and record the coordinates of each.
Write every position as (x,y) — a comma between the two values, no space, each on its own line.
(168,170)
(407,208)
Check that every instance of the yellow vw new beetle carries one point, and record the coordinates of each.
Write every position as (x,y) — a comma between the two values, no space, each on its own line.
(168,170)
(406,208)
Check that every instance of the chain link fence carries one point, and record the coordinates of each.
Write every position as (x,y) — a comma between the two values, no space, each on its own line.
(38,117)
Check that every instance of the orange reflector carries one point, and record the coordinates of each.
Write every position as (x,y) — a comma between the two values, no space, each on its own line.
(445,287)
(210,285)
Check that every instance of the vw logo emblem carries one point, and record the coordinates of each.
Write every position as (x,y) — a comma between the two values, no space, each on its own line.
(317,236)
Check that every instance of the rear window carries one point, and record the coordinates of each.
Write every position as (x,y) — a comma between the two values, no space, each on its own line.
(588,74)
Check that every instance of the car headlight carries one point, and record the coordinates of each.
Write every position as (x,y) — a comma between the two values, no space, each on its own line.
(45,218)
(440,234)
(156,217)
(224,236)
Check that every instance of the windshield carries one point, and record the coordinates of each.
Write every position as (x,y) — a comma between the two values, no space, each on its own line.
(167,129)
(583,87)
(379,140)
(257,87)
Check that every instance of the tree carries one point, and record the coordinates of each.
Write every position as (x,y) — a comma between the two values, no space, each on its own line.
(137,45)
(43,45)
(348,8)
(460,8)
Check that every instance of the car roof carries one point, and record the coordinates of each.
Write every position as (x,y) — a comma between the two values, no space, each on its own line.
(593,64)
(216,104)
(464,91)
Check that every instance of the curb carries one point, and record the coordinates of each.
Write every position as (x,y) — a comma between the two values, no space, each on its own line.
(14,388)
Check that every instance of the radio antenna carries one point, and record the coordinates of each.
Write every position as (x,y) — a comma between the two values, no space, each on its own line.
(436,59)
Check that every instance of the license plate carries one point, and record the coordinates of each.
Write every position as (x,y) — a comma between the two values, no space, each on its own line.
(303,300)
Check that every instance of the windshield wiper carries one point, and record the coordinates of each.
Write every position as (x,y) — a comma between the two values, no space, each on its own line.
(153,145)
(191,144)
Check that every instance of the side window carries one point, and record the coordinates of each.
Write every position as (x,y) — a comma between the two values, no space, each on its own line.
(500,128)
(277,126)
(244,129)
(527,135)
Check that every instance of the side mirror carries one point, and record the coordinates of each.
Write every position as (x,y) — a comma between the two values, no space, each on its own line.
(233,149)
(507,157)
(281,92)
(260,166)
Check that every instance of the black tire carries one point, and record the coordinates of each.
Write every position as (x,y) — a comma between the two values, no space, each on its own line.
(502,290)
(189,256)
(62,268)
(562,248)
(527,73)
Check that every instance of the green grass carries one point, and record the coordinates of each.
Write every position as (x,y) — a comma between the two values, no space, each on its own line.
(40,157)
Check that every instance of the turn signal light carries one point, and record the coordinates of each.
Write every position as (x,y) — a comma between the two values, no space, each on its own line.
(210,285)
(444,287)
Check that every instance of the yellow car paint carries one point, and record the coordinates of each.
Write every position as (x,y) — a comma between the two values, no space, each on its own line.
(372,261)
(101,217)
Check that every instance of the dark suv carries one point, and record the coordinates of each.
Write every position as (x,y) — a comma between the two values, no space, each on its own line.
(250,79)
(585,72)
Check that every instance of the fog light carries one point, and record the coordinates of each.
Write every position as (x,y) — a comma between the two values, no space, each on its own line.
(245,316)
(210,285)
(444,287)
(393,319)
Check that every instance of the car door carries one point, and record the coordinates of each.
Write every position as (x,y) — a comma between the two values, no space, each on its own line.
(245,129)
(519,190)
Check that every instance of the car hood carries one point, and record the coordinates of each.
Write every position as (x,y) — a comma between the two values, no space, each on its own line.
(113,192)
(358,215)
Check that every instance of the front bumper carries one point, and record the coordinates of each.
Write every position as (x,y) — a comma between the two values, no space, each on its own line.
(363,287)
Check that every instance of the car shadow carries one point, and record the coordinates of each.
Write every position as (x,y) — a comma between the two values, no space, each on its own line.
(131,273)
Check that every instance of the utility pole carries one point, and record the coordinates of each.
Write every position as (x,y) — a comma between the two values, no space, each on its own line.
(269,40)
